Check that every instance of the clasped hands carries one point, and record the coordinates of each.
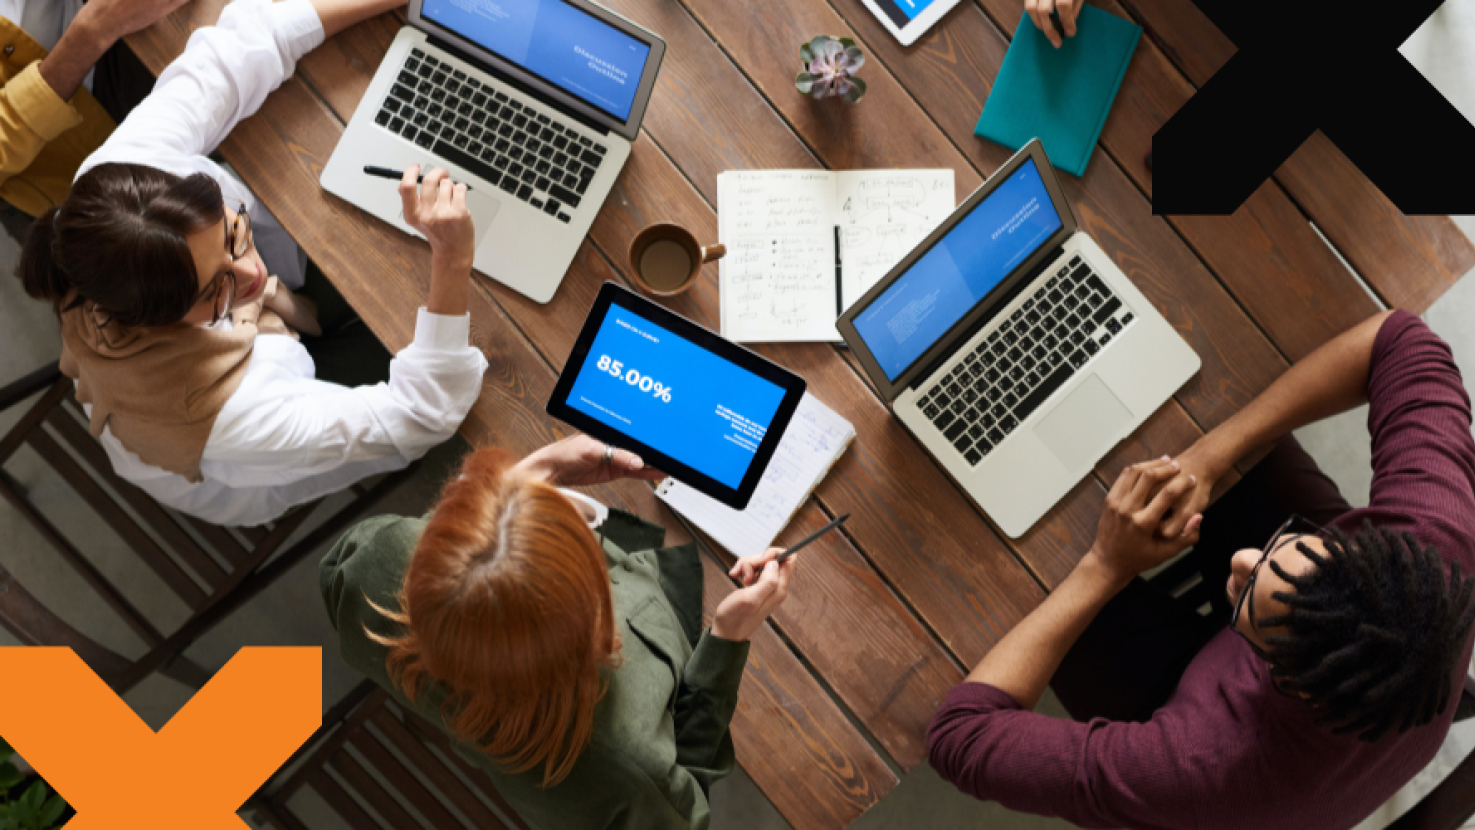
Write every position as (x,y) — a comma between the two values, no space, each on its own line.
(1153,512)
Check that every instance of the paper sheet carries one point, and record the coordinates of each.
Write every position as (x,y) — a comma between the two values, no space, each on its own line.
(780,228)
(814,440)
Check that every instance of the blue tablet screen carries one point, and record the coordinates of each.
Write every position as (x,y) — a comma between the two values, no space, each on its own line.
(675,396)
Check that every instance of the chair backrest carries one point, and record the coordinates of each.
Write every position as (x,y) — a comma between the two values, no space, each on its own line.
(212,570)
(375,764)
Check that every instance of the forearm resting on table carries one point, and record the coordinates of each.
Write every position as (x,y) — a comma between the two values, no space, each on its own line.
(337,15)
(1327,382)
(450,285)
(74,56)
(1022,664)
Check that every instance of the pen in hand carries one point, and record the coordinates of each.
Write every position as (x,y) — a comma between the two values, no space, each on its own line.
(802,543)
(391,173)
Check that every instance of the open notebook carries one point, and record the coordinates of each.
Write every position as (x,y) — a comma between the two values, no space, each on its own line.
(814,440)
(802,245)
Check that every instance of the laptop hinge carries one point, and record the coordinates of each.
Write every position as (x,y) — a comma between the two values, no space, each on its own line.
(983,320)
(516,84)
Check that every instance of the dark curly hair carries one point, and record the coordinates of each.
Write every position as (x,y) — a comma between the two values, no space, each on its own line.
(1373,632)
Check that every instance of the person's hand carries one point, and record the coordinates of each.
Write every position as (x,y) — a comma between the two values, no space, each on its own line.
(1201,463)
(1127,538)
(110,20)
(297,311)
(1039,12)
(766,585)
(578,461)
(437,208)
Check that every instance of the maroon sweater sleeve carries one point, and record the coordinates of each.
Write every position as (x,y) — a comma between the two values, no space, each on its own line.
(1096,774)
(1423,454)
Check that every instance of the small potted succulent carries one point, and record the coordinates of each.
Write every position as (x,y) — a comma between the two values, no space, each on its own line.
(829,69)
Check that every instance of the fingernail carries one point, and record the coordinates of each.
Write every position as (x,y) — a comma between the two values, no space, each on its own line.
(1165,458)
(1175,465)
(1192,479)
(636,463)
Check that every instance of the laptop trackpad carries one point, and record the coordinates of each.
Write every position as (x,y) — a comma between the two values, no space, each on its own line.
(483,210)
(1084,425)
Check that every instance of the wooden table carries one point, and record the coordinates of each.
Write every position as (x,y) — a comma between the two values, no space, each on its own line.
(885,618)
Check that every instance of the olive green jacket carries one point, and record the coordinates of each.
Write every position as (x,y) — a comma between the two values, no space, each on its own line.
(660,731)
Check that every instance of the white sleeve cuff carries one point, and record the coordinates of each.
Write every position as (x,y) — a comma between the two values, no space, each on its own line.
(441,332)
(297,25)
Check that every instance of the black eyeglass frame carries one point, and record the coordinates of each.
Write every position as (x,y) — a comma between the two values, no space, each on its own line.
(1245,595)
(237,242)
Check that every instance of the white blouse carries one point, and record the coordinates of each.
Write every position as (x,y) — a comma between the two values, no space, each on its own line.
(284,438)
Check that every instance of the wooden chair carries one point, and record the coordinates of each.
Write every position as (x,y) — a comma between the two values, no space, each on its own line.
(213,570)
(377,765)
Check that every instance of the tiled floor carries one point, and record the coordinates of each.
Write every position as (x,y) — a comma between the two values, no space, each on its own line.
(291,611)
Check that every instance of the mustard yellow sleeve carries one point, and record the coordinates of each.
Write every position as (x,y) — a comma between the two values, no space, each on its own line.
(31,115)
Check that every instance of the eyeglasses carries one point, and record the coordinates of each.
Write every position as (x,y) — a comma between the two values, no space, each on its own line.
(237,243)
(1246,596)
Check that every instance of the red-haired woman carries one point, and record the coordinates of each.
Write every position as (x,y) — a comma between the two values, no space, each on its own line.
(554,638)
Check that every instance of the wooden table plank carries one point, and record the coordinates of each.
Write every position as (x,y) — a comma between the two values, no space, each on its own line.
(842,581)
(1409,260)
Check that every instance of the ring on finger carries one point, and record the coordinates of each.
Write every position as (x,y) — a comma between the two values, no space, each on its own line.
(609,455)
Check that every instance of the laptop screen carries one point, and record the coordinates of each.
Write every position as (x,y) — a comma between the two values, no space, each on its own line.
(559,43)
(968,262)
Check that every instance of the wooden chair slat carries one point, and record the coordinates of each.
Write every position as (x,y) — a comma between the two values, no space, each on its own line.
(403,780)
(220,539)
(355,776)
(426,762)
(429,734)
(18,390)
(33,417)
(34,624)
(81,441)
(142,544)
(280,819)
(110,596)
(254,535)
(338,798)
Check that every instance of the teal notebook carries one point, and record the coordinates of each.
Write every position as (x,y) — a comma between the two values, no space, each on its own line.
(1060,95)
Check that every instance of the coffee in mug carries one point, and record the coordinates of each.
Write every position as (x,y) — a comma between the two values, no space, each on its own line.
(665,259)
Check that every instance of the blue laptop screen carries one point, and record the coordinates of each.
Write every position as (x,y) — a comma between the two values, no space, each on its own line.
(961,269)
(555,41)
(675,396)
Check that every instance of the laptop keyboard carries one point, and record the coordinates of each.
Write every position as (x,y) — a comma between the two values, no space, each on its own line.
(1004,379)
(535,157)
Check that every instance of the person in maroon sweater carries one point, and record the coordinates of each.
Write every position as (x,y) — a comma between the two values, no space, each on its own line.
(1326,678)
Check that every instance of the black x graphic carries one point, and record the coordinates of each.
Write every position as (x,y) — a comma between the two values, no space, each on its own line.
(1303,66)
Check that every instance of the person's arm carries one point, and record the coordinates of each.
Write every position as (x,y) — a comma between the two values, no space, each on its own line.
(224,76)
(1022,664)
(1039,11)
(1327,382)
(705,702)
(97,26)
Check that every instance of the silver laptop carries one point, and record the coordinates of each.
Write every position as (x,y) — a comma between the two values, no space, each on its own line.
(532,103)
(1013,348)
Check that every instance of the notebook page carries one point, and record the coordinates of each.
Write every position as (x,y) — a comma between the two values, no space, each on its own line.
(814,440)
(778,278)
(883,215)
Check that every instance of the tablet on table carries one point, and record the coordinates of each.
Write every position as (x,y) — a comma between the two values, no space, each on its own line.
(701,408)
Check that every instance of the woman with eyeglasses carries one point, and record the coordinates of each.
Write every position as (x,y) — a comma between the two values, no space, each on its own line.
(213,385)
(1329,661)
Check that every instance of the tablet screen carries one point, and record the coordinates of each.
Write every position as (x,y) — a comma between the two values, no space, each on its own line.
(676,396)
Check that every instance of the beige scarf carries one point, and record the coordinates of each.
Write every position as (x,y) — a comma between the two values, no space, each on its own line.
(159,389)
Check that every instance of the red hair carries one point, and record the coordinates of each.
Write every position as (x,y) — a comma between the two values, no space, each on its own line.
(507,604)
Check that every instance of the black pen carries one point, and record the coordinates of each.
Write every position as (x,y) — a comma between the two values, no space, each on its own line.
(799,545)
(389,173)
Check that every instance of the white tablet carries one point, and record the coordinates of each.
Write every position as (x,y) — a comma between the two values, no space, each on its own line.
(908,19)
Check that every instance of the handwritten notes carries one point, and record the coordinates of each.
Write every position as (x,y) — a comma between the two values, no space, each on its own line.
(814,440)
(783,278)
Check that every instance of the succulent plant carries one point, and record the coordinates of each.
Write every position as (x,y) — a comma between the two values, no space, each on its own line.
(829,69)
